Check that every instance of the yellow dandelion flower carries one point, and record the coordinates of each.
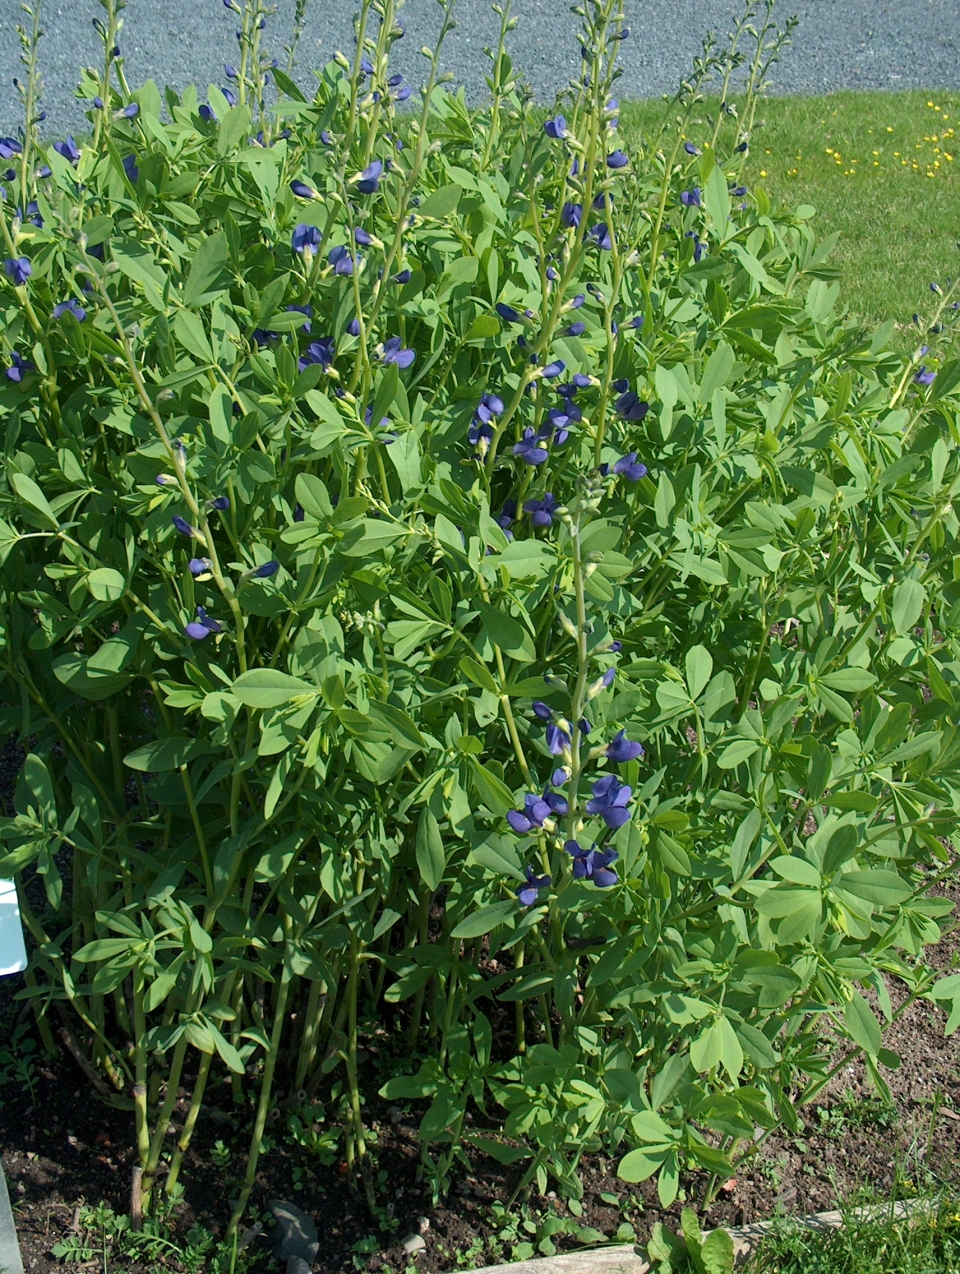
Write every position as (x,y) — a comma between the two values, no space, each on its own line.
(763,172)
(889,128)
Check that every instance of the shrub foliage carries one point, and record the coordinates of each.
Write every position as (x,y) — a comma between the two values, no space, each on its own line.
(464,572)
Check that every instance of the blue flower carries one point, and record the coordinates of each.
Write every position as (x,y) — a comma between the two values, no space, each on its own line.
(9,147)
(19,269)
(392,353)
(261,336)
(698,246)
(609,800)
(636,321)
(369,180)
(556,127)
(77,310)
(554,369)
(505,517)
(265,570)
(592,864)
(18,367)
(362,237)
(207,113)
(184,527)
(221,503)
(353,327)
(534,814)
(691,198)
(530,892)
(924,377)
(739,191)
(229,96)
(576,329)
(341,260)
(558,739)
(531,449)
(129,112)
(230,72)
(617,160)
(481,427)
(303,191)
(627,467)
(33,214)
(621,749)
(691,149)
(403,276)
(305,236)
(542,511)
(131,169)
(68,148)
(559,805)
(571,214)
(631,407)
(202,626)
(601,234)
(542,710)
(560,776)
(508,313)
(199,567)
(326,137)
(322,351)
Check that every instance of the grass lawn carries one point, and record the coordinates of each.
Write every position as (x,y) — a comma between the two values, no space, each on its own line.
(882,168)
(927,1244)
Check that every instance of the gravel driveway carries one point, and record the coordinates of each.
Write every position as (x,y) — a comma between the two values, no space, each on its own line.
(859,44)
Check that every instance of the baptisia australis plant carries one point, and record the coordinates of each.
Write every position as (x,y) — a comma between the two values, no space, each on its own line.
(459,570)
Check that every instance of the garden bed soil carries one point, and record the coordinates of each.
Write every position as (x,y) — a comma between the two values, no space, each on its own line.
(62,1146)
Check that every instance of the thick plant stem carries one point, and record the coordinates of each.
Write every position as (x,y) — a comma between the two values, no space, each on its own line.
(193,1114)
(163,1121)
(316,1002)
(140,1077)
(356,1145)
(266,1088)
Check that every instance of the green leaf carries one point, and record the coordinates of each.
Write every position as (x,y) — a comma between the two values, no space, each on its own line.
(106,584)
(492,791)
(233,129)
(269,688)
(431,859)
(442,203)
(371,536)
(638,1165)
(863,1026)
(31,495)
(699,669)
(736,753)
(716,200)
(908,600)
(478,674)
(486,919)
(164,754)
(849,680)
(884,888)
(207,274)
(717,372)
(137,262)
(191,334)
(507,633)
